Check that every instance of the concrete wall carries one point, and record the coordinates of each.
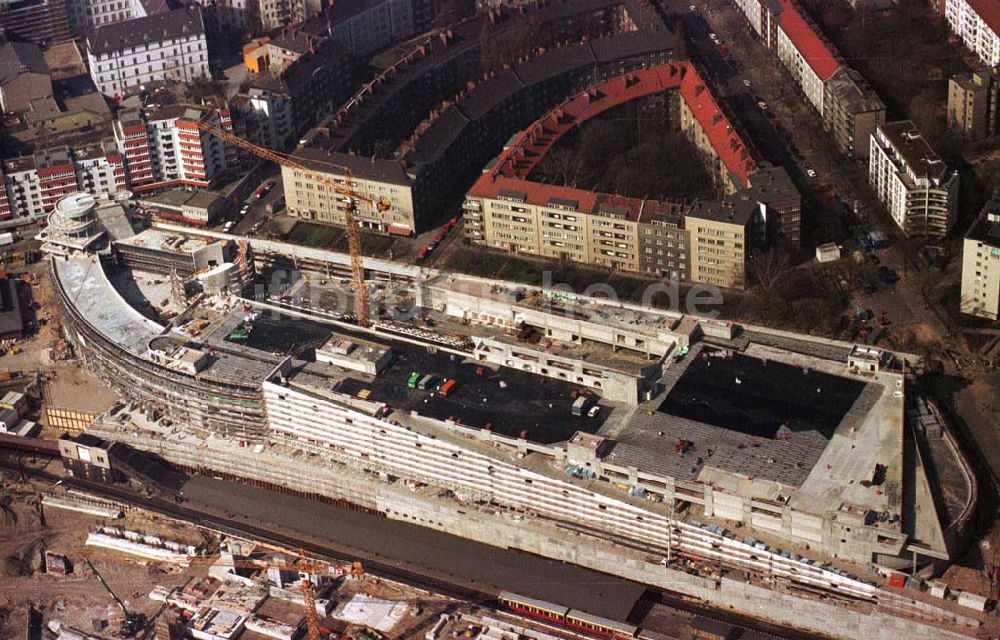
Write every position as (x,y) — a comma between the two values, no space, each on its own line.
(510,530)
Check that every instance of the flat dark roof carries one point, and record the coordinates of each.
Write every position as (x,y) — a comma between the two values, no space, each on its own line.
(492,569)
(982,228)
(758,397)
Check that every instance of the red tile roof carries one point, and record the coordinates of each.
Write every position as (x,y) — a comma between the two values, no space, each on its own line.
(535,141)
(819,54)
(989,11)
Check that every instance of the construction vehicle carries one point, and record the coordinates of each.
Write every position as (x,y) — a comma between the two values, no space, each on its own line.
(132,623)
(359,286)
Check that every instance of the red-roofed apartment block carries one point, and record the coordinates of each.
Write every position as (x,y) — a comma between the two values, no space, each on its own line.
(705,242)
(849,108)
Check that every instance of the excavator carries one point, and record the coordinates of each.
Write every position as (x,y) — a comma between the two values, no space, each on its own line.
(132,623)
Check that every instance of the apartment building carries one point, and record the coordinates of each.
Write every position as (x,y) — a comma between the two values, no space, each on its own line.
(274,14)
(912,181)
(722,233)
(809,59)
(300,71)
(263,117)
(42,22)
(84,15)
(849,108)
(977,23)
(124,56)
(852,111)
(165,147)
(981,263)
(385,185)
(100,168)
(32,184)
(365,26)
(972,104)
(706,242)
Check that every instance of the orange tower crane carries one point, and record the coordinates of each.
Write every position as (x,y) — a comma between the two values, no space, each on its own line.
(358,284)
(301,565)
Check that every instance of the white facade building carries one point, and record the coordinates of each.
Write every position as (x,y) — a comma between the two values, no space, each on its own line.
(124,56)
(84,15)
(809,59)
(912,181)
(977,23)
(981,264)
(263,117)
(31,185)
(165,148)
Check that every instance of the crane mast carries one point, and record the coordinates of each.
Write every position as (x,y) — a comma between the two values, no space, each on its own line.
(362,307)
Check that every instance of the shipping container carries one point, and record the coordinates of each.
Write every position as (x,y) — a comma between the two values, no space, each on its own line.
(427,381)
(448,387)
(580,405)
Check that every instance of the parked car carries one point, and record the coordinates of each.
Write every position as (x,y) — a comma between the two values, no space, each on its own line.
(226,228)
(244,210)
(811,173)
(264,189)
(746,83)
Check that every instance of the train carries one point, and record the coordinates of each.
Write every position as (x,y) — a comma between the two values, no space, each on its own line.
(574,619)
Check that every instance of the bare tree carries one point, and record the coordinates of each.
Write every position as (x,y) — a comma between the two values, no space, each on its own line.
(767,267)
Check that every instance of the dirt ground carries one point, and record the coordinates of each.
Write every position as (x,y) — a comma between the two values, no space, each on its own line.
(65,382)
(77,599)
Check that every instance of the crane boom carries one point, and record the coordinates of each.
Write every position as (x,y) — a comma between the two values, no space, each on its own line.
(358,284)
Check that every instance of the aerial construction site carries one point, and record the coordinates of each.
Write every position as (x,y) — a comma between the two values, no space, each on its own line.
(762,472)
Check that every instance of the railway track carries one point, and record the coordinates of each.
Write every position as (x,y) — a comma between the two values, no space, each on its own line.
(242,529)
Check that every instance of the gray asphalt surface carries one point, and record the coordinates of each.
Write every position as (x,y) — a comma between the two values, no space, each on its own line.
(490,568)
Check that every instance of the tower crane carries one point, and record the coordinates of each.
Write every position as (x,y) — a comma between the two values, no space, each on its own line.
(301,565)
(358,285)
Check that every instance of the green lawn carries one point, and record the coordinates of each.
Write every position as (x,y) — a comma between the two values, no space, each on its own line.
(322,236)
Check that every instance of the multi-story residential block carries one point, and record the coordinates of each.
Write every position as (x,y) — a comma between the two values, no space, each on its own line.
(263,117)
(32,184)
(84,15)
(364,26)
(267,15)
(165,147)
(124,56)
(852,111)
(981,263)
(24,77)
(772,188)
(301,71)
(808,58)
(977,23)
(912,181)
(722,235)
(709,241)
(849,108)
(42,22)
(384,182)
(443,156)
(972,104)
(100,168)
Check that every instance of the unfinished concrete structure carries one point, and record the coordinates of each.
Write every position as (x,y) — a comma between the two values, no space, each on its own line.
(679,447)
